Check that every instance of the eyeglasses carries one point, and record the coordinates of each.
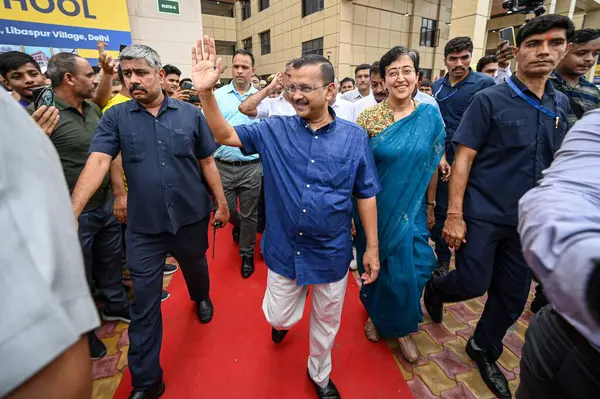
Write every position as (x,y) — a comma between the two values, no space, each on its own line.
(302,88)
(394,73)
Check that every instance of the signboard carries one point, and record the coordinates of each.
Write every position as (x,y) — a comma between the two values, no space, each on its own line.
(43,28)
(169,7)
(597,75)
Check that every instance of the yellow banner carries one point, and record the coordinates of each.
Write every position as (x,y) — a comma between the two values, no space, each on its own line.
(98,14)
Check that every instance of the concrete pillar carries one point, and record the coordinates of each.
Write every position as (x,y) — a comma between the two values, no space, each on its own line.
(592,19)
(469,18)
(565,7)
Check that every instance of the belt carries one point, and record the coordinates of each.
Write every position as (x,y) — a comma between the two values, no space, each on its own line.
(238,163)
(578,340)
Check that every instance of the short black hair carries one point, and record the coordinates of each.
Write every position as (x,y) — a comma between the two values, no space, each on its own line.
(483,61)
(96,69)
(457,45)
(374,69)
(347,79)
(396,52)
(583,36)
(361,67)
(425,82)
(327,71)
(59,65)
(171,70)
(13,60)
(543,24)
(244,52)
(182,81)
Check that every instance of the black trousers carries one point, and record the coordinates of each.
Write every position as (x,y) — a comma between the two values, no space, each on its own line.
(492,261)
(146,254)
(557,362)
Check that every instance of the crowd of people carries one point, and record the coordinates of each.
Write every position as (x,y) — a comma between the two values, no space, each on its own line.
(354,174)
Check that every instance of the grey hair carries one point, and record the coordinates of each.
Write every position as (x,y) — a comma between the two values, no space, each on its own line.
(141,52)
(59,65)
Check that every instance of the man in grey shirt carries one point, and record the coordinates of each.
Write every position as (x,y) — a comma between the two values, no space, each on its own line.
(45,303)
(559,224)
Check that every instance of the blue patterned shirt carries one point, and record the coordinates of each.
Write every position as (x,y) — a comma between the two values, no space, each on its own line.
(310,178)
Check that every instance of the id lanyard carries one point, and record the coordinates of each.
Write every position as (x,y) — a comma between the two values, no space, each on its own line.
(447,97)
(239,96)
(535,104)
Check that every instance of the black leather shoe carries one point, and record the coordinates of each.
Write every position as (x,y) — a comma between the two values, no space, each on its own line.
(97,347)
(433,304)
(154,392)
(247,266)
(278,335)
(236,234)
(329,392)
(490,373)
(205,311)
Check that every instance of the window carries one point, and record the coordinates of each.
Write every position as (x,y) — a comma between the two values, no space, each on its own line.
(224,48)
(430,33)
(246,10)
(265,42)
(222,8)
(425,74)
(311,6)
(313,47)
(263,5)
(247,44)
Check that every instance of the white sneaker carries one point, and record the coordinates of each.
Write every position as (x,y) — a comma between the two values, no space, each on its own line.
(353,263)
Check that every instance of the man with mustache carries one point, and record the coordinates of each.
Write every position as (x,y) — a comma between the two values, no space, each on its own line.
(315,163)
(74,83)
(166,148)
(507,137)
(453,93)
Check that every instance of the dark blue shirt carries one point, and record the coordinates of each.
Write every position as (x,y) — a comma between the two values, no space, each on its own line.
(514,142)
(453,101)
(309,180)
(160,158)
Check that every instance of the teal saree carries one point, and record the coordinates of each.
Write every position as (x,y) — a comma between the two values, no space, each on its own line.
(407,154)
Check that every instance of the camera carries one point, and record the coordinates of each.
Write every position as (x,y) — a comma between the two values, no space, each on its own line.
(525,7)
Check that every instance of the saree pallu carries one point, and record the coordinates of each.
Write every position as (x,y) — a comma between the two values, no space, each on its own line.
(407,154)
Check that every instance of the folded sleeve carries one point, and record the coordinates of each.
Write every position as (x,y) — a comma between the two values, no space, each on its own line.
(106,139)
(251,137)
(205,142)
(366,184)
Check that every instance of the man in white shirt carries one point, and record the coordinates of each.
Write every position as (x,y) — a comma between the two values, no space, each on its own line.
(363,88)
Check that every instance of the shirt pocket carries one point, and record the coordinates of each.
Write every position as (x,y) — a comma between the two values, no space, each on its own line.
(134,149)
(338,173)
(513,134)
(181,142)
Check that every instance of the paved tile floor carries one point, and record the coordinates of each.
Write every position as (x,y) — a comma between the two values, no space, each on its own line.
(443,371)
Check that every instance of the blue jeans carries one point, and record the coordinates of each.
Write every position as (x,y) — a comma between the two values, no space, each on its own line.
(100,239)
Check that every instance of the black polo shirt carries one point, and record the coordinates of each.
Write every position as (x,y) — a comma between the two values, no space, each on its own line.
(514,141)
(160,158)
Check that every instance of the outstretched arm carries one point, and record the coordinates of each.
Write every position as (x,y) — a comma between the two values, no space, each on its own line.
(206,70)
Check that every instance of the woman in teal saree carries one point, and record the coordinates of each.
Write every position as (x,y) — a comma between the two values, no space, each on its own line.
(407,139)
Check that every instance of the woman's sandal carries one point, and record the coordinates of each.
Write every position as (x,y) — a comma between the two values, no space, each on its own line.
(371,331)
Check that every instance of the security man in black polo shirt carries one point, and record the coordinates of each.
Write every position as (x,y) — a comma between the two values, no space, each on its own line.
(506,138)
(161,140)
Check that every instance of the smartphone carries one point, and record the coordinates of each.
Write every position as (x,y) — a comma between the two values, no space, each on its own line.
(43,95)
(189,86)
(508,34)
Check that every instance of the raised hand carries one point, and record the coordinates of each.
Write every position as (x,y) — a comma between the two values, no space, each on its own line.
(206,68)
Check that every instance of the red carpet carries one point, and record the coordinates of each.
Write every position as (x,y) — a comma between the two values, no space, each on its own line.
(233,357)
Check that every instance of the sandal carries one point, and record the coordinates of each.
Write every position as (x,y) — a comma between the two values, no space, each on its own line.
(408,349)
(371,331)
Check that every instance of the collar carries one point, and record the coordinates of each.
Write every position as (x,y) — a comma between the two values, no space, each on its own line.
(167,103)
(61,105)
(329,127)
(549,90)
(230,88)
(559,79)
(470,79)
